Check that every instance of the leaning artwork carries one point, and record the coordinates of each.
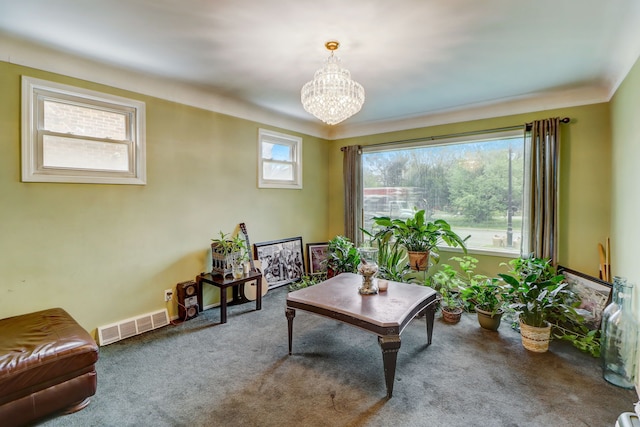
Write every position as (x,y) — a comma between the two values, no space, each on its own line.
(594,295)
(282,260)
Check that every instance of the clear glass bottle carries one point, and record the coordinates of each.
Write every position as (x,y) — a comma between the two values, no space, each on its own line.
(368,268)
(611,308)
(619,337)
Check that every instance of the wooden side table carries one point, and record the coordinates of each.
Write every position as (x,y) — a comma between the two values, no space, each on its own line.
(222,283)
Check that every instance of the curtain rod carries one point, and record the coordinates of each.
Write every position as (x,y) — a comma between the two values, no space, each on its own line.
(456,135)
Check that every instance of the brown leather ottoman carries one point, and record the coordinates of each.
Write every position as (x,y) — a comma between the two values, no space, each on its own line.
(47,365)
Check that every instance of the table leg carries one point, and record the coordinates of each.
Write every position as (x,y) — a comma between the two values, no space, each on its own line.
(223,305)
(259,285)
(430,314)
(390,345)
(199,291)
(290,313)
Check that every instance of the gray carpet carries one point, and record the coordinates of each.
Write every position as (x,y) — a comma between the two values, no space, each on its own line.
(201,373)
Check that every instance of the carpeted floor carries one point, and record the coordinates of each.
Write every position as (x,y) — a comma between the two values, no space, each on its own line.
(201,373)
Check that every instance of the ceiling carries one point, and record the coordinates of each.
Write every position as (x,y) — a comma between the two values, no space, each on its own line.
(415,58)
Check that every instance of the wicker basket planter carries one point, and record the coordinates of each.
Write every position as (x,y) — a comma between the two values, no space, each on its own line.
(221,263)
(535,339)
(451,315)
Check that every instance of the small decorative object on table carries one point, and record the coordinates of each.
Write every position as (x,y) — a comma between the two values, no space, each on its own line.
(368,268)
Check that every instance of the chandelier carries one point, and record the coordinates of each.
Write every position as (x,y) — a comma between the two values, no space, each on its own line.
(332,96)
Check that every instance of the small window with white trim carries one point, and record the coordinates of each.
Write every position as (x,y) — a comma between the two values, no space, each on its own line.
(76,135)
(279,160)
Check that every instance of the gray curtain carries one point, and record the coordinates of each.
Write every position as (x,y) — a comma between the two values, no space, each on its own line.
(541,210)
(351,169)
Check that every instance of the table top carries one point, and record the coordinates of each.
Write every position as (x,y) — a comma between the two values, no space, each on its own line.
(219,279)
(340,295)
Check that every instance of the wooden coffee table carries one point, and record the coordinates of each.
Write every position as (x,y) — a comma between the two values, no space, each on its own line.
(385,314)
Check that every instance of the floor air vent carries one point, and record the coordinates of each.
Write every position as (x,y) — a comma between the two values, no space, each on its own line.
(127,328)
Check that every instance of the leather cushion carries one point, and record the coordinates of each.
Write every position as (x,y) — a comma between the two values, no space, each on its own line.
(38,350)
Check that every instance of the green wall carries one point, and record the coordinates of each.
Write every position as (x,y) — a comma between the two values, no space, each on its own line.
(625,124)
(585,179)
(625,226)
(106,252)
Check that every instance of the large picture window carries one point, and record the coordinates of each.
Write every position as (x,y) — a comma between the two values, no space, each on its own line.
(75,135)
(474,184)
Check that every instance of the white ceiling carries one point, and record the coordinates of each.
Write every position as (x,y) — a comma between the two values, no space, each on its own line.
(415,58)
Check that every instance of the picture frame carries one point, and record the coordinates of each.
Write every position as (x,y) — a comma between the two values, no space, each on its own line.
(282,260)
(594,293)
(316,257)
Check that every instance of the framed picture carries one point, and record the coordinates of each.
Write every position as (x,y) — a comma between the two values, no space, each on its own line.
(282,260)
(594,293)
(316,257)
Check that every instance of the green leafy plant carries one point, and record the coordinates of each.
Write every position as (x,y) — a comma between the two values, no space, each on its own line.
(480,291)
(392,259)
(449,284)
(308,280)
(581,337)
(226,245)
(342,256)
(538,294)
(416,234)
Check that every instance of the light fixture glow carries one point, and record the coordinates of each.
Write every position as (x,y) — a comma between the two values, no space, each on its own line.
(332,96)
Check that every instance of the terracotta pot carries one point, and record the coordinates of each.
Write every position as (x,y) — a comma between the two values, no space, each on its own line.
(419,261)
(535,339)
(489,321)
(451,315)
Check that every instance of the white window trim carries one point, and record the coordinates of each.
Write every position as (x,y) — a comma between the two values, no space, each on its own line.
(295,142)
(32,170)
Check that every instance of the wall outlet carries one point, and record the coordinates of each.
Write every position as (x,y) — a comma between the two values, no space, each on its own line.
(168,295)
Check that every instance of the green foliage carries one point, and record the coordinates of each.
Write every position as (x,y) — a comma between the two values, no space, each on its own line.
(581,337)
(342,256)
(226,245)
(307,280)
(392,259)
(417,234)
(538,294)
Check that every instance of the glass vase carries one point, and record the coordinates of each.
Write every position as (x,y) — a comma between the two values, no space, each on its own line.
(619,336)
(368,268)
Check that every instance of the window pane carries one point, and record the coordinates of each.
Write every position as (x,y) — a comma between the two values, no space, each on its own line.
(475,186)
(68,118)
(277,171)
(60,152)
(279,152)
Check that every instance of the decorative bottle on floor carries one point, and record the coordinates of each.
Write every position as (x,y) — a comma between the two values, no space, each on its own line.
(619,336)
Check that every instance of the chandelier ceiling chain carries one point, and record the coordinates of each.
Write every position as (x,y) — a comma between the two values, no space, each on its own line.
(332,96)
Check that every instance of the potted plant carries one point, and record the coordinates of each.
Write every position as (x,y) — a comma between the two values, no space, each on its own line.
(449,284)
(228,255)
(420,237)
(342,256)
(450,305)
(487,295)
(540,297)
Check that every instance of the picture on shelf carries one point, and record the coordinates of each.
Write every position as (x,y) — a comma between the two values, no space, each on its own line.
(282,260)
(594,294)
(316,257)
